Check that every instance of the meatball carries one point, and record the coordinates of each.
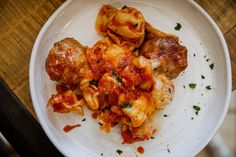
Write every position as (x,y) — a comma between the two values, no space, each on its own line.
(172,56)
(65,61)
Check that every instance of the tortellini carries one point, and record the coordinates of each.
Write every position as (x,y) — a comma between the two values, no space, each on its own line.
(125,27)
(138,109)
(103,18)
(66,102)
(90,93)
(128,22)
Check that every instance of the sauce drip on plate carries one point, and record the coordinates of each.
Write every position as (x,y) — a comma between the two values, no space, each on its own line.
(68,128)
(140,149)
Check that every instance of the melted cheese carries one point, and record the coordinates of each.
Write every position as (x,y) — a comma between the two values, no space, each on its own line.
(139,110)
(163,91)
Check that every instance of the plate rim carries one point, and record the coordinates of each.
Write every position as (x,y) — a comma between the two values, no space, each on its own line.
(61,8)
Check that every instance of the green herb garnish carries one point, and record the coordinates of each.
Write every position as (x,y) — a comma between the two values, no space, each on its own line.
(192,118)
(100,123)
(126,105)
(194,55)
(101,154)
(211,66)
(184,86)
(168,150)
(178,26)
(208,87)
(202,76)
(207,59)
(152,137)
(94,82)
(119,151)
(165,115)
(196,108)
(83,120)
(117,76)
(192,85)
(124,7)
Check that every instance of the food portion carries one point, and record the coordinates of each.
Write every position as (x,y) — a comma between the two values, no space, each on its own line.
(124,79)
(125,27)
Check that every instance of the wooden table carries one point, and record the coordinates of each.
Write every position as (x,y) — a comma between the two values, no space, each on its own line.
(21,21)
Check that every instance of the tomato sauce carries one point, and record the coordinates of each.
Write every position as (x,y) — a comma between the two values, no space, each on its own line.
(95,115)
(61,88)
(68,128)
(140,149)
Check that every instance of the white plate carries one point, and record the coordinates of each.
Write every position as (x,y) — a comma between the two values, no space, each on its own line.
(177,132)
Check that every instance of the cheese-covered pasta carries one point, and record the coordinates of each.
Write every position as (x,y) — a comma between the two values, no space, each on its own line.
(128,22)
(66,102)
(124,78)
(104,16)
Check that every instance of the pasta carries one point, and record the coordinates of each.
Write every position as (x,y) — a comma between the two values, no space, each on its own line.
(125,27)
(124,78)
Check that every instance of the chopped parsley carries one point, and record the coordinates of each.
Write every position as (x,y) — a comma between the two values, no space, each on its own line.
(152,137)
(202,76)
(178,26)
(125,6)
(208,87)
(83,120)
(165,115)
(192,85)
(119,151)
(205,56)
(192,118)
(168,150)
(94,82)
(207,59)
(194,55)
(184,86)
(169,90)
(101,154)
(211,66)
(117,76)
(100,123)
(126,105)
(196,108)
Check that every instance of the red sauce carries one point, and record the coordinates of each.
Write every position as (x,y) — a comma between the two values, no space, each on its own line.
(68,128)
(61,88)
(79,97)
(140,149)
(95,115)
(59,107)
(128,137)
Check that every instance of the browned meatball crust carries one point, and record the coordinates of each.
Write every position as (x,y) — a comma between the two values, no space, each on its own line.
(168,52)
(65,61)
